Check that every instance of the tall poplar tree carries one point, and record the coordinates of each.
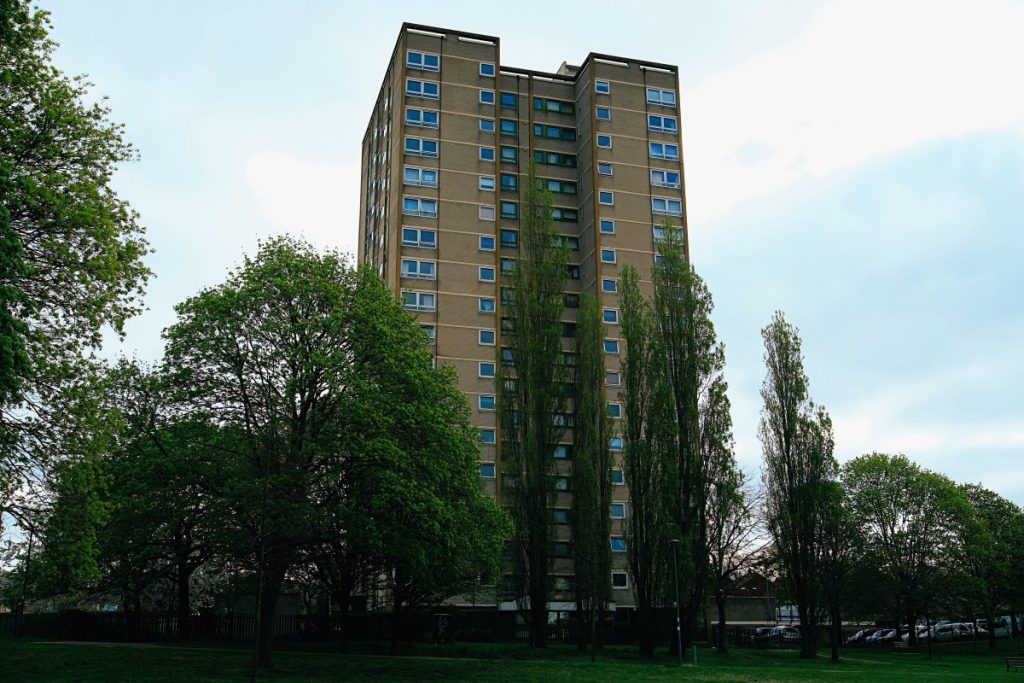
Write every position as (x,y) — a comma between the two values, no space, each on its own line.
(532,393)
(648,432)
(591,470)
(796,436)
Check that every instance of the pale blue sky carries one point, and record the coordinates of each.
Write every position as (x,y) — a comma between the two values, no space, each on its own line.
(858,164)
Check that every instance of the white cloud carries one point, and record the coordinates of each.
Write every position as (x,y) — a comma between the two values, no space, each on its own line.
(865,78)
(317,200)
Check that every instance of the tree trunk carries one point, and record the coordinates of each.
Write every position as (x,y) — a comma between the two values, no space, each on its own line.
(991,620)
(720,602)
(396,612)
(343,622)
(691,609)
(911,629)
(645,627)
(808,631)
(538,614)
(274,578)
(836,631)
(184,611)
(1014,628)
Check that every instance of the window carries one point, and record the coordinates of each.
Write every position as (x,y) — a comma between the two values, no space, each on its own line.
(486,337)
(419,147)
(554,132)
(659,260)
(604,168)
(611,346)
(602,87)
(487,183)
(421,270)
(607,256)
(554,158)
(563,484)
(605,197)
(603,114)
(510,238)
(487,470)
(610,286)
(486,305)
(564,215)
(666,98)
(420,177)
(421,117)
(509,182)
(662,124)
(561,549)
(424,61)
(508,128)
(418,301)
(620,580)
(573,271)
(486,213)
(486,369)
(485,402)
(610,316)
(559,516)
(508,265)
(556,106)
(556,186)
(615,443)
(417,237)
(613,379)
(618,544)
(430,331)
(604,141)
(663,235)
(487,97)
(509,210)
(509,100)
(428,90)
(418,206)
(486,125)
(663,151)
(487,69)
(571,300)
(618,476)
(568,329)
(661,206)
(661,178)
(486,154)
(615,411)
(486,274)
(509,154)
(608,227)
(617,510)
(486,243)
(573,243)
(487,437)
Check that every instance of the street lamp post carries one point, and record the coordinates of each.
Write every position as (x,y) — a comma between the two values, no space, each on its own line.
(679,623)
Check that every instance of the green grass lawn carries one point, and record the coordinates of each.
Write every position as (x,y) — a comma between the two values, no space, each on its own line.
(39,661)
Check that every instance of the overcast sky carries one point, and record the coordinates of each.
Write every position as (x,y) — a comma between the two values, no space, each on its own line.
(857,164)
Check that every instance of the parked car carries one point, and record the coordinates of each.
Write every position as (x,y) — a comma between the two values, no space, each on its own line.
(882,635)
(858,637)
(786,633)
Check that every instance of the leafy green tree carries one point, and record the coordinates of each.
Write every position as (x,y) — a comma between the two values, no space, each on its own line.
(70,249)
(910,519)
(532,394)
(703,426)
(841,550)
(591,471)
(648,432)
(796,436)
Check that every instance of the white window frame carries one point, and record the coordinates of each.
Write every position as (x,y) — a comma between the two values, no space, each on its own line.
(492,95)
(601,198)
(664,182)
(607,110)
(612,446)
(601,226)
(611,544)
(488,476)
(494,242)
(422,66)
(419,172)
(494,70)
(609,252)
(417,275)
(615,315)
(607,87)
(617,346)
(611,513)
(479,402)
(421,212)
(659,98)
(431,331)
(609,375)
(419,242)
(484,149)
(601,136)
(614,285)
(492,122)
(664,151)
(618,406)
(480,369)
(480,341)
(483,182)
(622,574)
(480,305)
(420,297)
(661,127)
(667,211)
(608,166)
(480,274)
(623,473)
(421,142)
(492,435)
(485,209)
(422,123)
(422,94)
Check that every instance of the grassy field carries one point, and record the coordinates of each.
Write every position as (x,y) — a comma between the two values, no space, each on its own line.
(39,661)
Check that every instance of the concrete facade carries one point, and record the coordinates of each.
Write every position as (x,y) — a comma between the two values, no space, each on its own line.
(444,161)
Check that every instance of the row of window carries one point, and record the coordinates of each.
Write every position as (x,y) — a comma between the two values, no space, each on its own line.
(426,147)
(427,118)
(426,238)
